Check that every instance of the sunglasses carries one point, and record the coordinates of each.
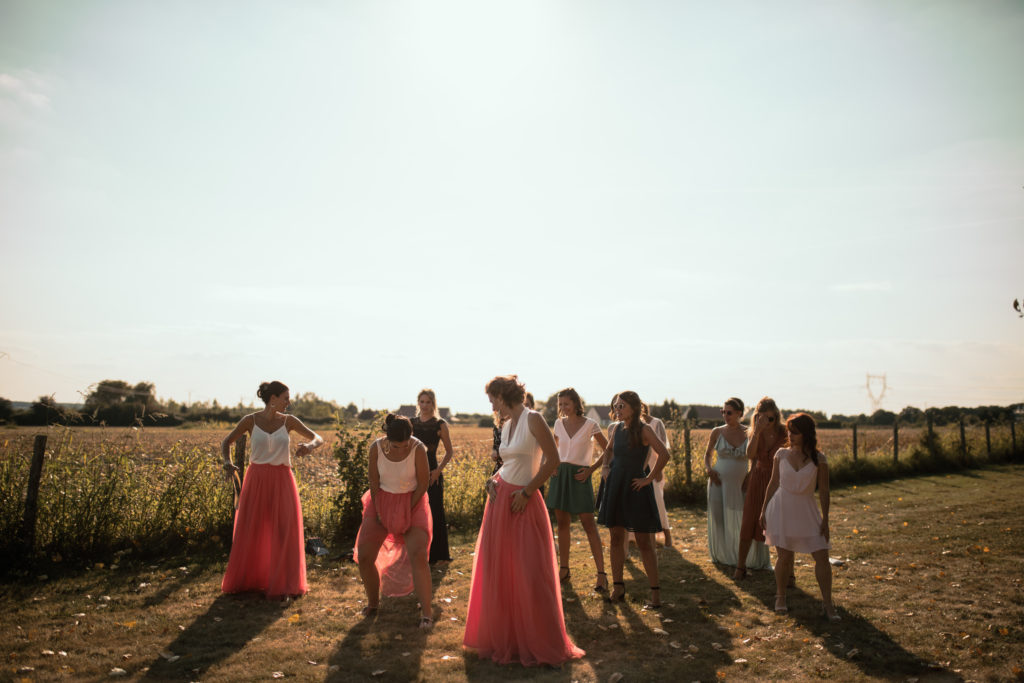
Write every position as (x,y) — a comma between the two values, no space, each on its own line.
(726,412)
(770,418)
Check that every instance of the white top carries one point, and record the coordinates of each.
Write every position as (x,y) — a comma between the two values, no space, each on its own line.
(519,451)
(270,448)
(397,477)
(659,428)
(577,449)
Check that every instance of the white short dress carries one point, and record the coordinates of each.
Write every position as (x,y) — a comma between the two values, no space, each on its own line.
(792,518)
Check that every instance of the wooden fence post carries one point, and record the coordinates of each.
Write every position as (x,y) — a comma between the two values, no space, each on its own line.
(963,441)
(1013,434)
(854,440)
(895,441)
(686,442)
(35,473)
(988,439)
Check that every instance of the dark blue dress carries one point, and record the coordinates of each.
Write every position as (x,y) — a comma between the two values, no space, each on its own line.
(621,505)
(429,433)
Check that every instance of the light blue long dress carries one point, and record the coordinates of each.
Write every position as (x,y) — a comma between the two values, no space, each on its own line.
(725,508)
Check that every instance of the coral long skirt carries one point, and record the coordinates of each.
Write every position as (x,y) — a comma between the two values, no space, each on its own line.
(267,552)
(393,562)
(515,601)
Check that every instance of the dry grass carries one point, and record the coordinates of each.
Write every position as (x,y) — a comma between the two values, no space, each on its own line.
(931,589)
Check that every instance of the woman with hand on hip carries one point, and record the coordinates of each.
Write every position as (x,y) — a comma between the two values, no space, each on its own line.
(268,550)
(727,486)
(391,548)
(572,489)
(790,517)
(765,436)
(431,429)
(515,601)
(629,503)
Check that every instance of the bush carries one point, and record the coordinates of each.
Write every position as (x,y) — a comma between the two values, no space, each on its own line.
(353,454)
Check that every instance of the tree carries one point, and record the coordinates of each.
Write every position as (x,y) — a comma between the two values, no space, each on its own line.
(6,410)
(550,409)
(911,415)
(352,410)
(117,402)
(882,417)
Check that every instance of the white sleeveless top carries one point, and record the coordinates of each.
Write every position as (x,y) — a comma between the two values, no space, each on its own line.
(397,477)
(577,449)
(519,451)
(270,448)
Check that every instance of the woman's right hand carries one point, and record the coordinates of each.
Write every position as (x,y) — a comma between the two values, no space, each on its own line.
(715,479)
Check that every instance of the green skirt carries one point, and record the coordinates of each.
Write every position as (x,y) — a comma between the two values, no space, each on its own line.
(567,494)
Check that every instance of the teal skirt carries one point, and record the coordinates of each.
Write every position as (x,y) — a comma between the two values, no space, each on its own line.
(567,494)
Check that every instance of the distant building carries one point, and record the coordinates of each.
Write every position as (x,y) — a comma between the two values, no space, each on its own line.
(602,415)
(410,412)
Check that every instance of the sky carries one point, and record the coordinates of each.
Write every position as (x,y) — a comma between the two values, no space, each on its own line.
(692,200)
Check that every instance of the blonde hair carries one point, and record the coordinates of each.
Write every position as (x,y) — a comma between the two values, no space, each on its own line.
(429,393)
(767,404)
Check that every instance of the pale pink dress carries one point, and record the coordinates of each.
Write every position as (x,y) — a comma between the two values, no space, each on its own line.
(792,518)
(515,601)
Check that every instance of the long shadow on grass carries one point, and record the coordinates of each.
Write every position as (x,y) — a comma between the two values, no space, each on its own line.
(854,639)
(231,622)
(389,641)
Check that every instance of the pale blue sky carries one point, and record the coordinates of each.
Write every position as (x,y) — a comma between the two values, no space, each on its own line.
(693,200)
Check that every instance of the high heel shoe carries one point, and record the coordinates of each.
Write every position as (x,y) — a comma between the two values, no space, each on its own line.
(600,587)
(829,612)
(655,601)
(563,574)
(618,593)
(780,605)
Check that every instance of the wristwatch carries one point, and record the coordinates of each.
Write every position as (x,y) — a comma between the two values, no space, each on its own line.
(525,494)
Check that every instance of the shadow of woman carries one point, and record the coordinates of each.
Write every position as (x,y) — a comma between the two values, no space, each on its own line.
(392,632)
(855,639)
(230,623)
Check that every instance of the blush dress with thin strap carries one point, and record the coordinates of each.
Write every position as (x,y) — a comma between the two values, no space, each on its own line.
(267,549)
(515,601)
(792,518)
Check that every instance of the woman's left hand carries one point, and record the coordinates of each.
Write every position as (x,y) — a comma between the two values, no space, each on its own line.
(519,501)
(302,450)
(434,475)
(640,483)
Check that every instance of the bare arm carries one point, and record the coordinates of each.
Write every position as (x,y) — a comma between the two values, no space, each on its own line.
(548,464)
(824,496)
(294,424)
(651,439)
(374,474)
(243,426)
(446,439)
(773,484)
(603,443)
(712,474)
(422,474)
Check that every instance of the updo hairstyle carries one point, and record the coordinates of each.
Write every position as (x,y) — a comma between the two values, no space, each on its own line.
(397,427)
(268,390)
(573,396)
(736,404)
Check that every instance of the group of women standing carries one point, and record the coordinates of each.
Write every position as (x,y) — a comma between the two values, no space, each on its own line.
(515,606)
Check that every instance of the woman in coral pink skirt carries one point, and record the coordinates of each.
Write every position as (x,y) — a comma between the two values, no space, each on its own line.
(267,550)
(395,534)
(515,600)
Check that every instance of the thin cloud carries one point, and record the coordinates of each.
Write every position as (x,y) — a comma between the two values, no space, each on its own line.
(29,88)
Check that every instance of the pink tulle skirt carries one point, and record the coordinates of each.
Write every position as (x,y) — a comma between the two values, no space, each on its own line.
(267,551)
(515,600)
(393,563)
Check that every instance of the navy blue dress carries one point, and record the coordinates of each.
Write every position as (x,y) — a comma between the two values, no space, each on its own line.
(429,433)
(621,505)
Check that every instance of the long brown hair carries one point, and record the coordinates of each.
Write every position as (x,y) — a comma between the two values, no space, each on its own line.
(636,423)
(767,404)
(803,424)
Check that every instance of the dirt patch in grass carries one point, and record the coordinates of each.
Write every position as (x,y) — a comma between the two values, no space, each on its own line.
(930,589)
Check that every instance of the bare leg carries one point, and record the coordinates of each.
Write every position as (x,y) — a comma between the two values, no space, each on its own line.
(564,537)
(371,536)
(823,572)
(668,538)
(741,559)
(590,527)
(618,534)
(645,542)
(783,569)
(416,545)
